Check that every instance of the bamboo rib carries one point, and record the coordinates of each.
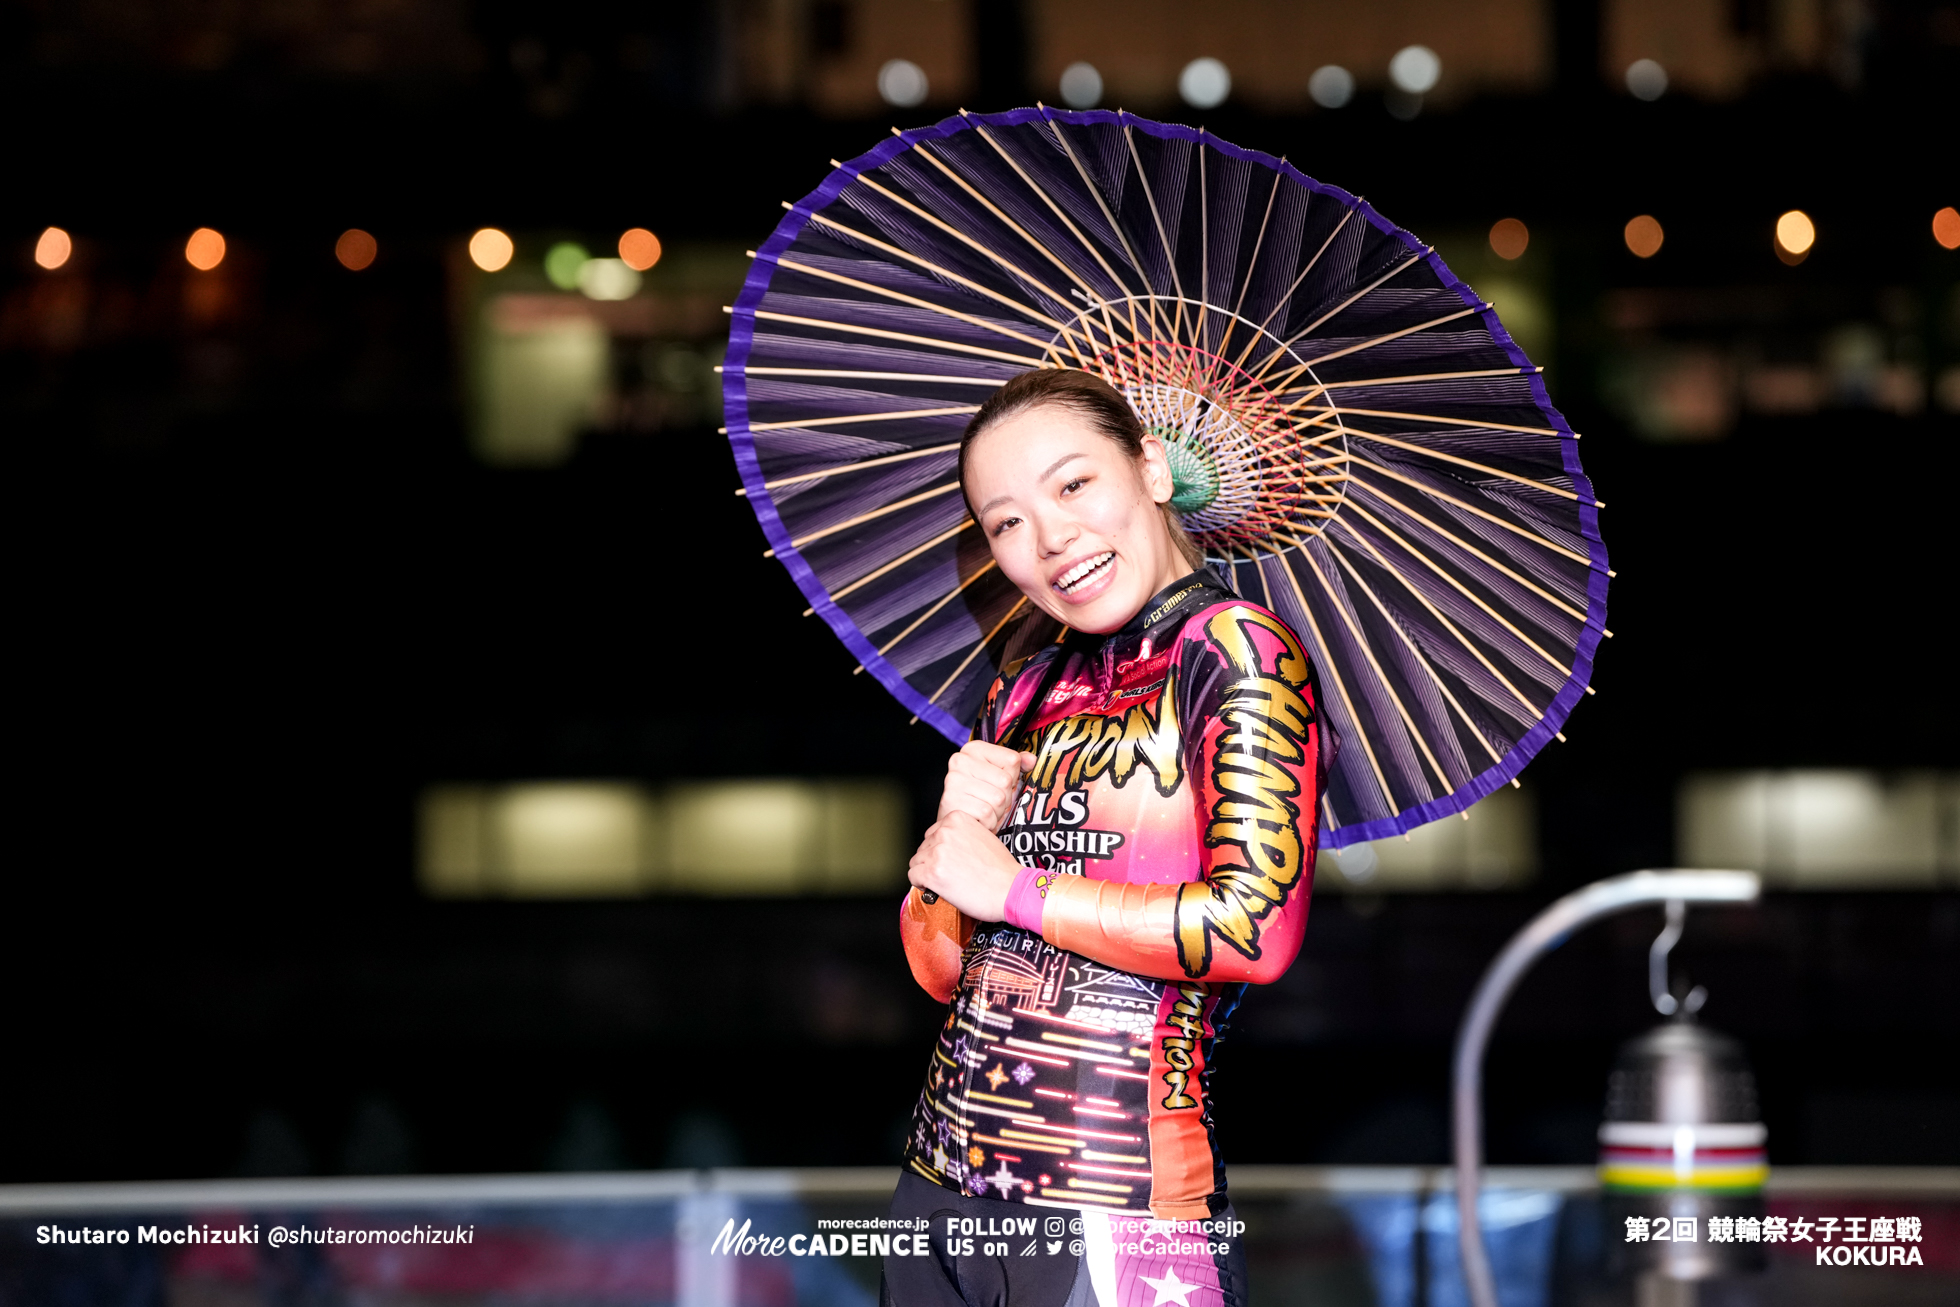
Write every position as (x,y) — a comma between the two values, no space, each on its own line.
(900,561)
(1427,452)
(1469,548)
(850,374)
(1265,364)
(1467,507)
(1321,386)
(1461,589)
(1258,246)
(1204,248)
(1061,329)
(913,300)
(874,514)
(1367,650)
(944,599)
(1453,422)
(1008,222)
(1356,348)
(1340,686)
(1287,298)
(1012,267)
(852,467)
(906,336)
(1170,255)
(975,651)
(1102,206)
(1448,625)
(1054,208)
(1414,649)
(859,417)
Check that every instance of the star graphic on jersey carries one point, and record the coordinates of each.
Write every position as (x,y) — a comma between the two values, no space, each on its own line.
(996,1077)
(1004,1180)
(1022,1074)
(1170,1289)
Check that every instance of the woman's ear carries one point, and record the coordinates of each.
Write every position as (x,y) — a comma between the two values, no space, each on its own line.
(1155,466)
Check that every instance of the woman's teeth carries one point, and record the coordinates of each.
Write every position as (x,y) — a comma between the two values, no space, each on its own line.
(1086,570)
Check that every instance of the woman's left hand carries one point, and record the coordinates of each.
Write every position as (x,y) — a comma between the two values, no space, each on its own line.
(965,863)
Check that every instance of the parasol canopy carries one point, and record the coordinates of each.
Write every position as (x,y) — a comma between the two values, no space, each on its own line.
(1357,442)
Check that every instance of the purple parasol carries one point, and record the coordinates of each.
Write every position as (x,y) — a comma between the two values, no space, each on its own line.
(1357,442)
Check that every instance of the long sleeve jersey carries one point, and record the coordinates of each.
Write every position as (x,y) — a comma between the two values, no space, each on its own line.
(1166,833)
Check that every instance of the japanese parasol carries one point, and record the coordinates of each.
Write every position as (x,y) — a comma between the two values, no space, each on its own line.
(1358,443)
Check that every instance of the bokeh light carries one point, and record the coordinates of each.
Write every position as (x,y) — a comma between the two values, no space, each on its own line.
(1644,236)
(490,249)
(608,279)
(355,249)
(1331,86)
(1204,83)
(639,249)
(1946,228)
(54,247)
(1795,234)
(563,262)
(1081,86)
(205,249)
(1646,80)
(1508,238)
(1415,69)
(903,83)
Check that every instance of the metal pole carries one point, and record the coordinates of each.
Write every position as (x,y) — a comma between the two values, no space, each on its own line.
(1547,931)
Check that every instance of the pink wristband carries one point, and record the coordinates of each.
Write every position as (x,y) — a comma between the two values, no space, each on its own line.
(1023,907)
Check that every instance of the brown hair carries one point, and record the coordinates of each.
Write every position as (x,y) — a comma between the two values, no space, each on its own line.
(1089,397)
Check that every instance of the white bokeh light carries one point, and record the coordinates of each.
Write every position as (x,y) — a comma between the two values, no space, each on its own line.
(1204,83)
(1081,86)
(1646,80)
(1415,69)
(1331,86)
(902,83)
(608,279)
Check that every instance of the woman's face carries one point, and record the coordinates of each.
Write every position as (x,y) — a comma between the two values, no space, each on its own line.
(1073,520)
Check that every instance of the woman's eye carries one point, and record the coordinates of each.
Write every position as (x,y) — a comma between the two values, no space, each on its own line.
(1004,523)
(1074,485)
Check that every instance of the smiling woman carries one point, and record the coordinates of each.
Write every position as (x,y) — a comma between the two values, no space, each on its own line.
(1092,533)
(1126,842)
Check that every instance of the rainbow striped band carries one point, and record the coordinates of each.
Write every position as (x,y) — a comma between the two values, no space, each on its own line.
(1655,1156)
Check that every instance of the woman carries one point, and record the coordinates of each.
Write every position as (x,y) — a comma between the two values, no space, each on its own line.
(1126,842)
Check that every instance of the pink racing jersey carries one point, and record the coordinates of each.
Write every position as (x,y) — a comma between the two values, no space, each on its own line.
(1166,835)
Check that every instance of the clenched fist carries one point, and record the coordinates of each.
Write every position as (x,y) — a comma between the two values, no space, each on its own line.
(965,863)
(982,781)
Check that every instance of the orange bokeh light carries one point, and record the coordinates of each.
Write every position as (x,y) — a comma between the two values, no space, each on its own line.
(355,249)
(1508,238)
(1795,234)
(54,247)
(1946,228)
(1643,236)
(205,249)
(490,249)
(639,249)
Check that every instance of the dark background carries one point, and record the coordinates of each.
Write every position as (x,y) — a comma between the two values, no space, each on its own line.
(261,595)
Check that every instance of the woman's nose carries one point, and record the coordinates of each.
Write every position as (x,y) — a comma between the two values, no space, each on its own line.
(1055,534)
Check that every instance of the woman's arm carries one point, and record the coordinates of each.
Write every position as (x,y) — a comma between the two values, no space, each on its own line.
(1257,775)
(981,782)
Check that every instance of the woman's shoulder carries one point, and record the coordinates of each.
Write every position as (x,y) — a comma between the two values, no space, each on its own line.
(1007,698)
(1228,612)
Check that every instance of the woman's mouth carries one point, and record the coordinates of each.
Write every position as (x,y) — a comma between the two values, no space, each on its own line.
(1086,573)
